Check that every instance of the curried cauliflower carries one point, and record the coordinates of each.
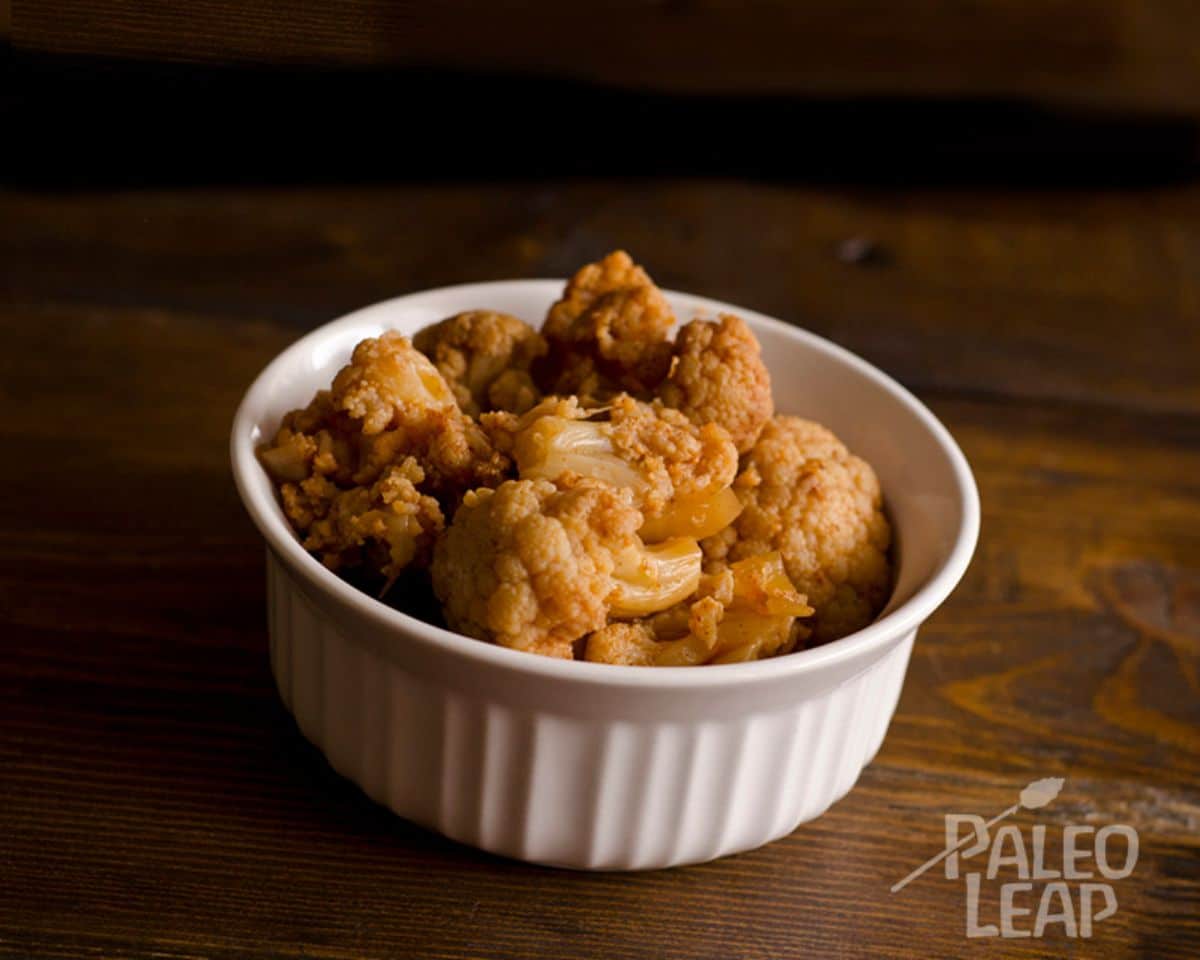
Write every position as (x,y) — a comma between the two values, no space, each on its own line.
(485,357)
(805,495)
(747,611)
(386,441)
(385,526)
(387,403)
(398,404)
(608,333)
(679,473)
(535,567)
(389,385)
(648,509)
(683,636)
(717,376)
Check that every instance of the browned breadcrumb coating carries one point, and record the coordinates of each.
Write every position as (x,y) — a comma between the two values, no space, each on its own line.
(386,443)
(608,333)
(389,524)
(402,406)
(387,403)
(683,636)
(625,643)
(676,458)
(485,357)
(306,445)
(654,450)
(529,565)
(513,391)
(388,384)
(718,376)
(807,496)
(614,271)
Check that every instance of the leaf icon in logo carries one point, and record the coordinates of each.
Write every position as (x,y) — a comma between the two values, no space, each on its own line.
(1041,792)
(1037,794)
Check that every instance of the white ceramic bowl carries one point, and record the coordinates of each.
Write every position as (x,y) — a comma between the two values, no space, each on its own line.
(590,765)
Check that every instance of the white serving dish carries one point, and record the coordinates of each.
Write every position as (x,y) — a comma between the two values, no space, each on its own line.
(589,765)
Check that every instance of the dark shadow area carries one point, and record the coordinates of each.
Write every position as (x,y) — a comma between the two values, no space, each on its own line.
(80,123)
(341,809)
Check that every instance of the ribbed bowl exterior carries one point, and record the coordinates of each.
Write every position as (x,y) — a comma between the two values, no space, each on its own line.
(508,773)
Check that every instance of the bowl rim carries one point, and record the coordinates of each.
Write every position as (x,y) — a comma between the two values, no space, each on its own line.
(406,628)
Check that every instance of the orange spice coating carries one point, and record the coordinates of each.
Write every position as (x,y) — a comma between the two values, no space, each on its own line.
(608,333)
(485,357)
(805,495)
(718,376)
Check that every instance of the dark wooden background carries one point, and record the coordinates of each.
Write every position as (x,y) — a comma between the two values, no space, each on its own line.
(1034,275)
(1130,53)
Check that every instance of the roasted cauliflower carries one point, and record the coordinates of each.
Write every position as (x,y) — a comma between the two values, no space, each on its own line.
(485,357)
(534,566)
(747,611)
(399,405)
(598,489)
(609,333)
(679,473)
(805,495)
(718,376)
(387,526)
(388,436)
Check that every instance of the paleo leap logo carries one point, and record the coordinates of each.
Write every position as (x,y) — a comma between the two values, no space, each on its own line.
(1070,895)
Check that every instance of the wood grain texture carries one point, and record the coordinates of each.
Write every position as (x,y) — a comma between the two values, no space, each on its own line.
(1127,53)
(155,798)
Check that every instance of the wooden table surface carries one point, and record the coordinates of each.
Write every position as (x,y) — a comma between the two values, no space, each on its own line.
(1137,54)
(156,799)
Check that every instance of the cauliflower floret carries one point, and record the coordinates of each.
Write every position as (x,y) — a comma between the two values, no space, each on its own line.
(608,333)
(386,441)
(485,358)
(747,611)
(717,376)
(387,385)
(679,473)
(683,636)
(398,405)
(513,391)
(616,271)
(535,567)
(305,446)
(805,495)
(389,402)
(389,524)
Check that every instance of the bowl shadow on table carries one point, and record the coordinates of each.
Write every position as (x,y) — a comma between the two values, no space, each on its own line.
(339,807)
(348,806)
